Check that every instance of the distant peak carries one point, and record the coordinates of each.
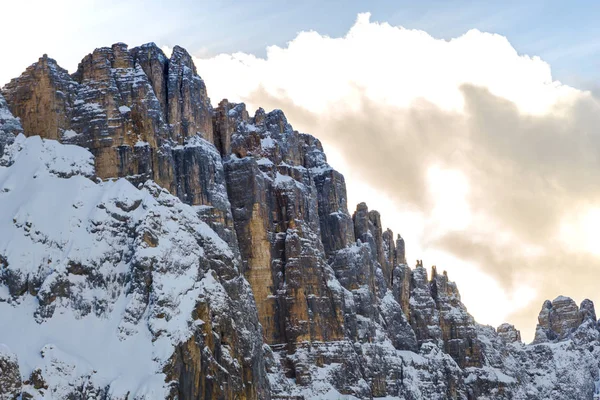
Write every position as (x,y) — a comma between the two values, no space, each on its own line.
(179,51)
(45,59)
(562,299)
(149,45)
(362,206)
(120,46)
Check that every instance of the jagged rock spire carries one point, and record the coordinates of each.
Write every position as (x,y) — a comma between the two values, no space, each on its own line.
(560,317)
(508,333)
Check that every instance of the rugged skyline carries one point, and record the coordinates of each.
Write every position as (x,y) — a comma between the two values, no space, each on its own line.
(563,35)
(490,164)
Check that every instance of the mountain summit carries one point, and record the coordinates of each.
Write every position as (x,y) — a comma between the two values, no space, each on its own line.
(154,246)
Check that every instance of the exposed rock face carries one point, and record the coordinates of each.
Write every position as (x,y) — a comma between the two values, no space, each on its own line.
(142,115)
(231,268)
(401,279)
(275,202)
(189,108)
(587,311)
(131,108)
(9,126)
(424,314)
(400,250)
(337,228)
(559,318)
(457,325)
(508,333)
(10,377)
(41,100)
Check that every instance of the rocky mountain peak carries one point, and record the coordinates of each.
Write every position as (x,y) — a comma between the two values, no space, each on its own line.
(587,311)
(131,108)
(40,97)
(560,317)
(181,58)
(508,333)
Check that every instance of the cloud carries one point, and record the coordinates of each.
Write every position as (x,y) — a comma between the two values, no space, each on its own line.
(392,64)
(487,166)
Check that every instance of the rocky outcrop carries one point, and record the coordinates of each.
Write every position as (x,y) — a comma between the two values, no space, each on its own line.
(142,115)
(367,228)
(401,279)
(508,333)
(560,317)
(275,203)
(131,108)
(10,377)
(40,98)
(587,311)
(9,126)
(337,228)
(457,325)
(424,314)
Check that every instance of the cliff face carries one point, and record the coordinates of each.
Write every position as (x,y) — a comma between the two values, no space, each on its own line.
(226,260)
(9,126)
(131,108)
(116,291)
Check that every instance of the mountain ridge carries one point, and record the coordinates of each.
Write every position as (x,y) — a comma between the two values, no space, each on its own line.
(230,257)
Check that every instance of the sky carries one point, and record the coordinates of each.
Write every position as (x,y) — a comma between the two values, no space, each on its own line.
(471,126)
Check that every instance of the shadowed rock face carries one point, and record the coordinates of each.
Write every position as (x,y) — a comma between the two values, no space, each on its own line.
(337,228)
(560,317)
(458,326)
(340,310)
(508,333)
(424,314)
(131,108)
(269,169)
(9,126)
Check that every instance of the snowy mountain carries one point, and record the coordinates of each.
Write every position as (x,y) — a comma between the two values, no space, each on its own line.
(153,246)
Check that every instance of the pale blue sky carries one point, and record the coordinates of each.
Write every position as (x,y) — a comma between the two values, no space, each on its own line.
(566,34)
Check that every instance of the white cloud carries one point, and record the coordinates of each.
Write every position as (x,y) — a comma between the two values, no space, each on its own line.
(580,230)
(450,189)
(392,64)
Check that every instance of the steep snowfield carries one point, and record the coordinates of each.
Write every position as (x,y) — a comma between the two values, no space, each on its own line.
(72,303)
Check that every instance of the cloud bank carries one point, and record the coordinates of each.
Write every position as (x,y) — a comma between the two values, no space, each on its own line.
(488,167)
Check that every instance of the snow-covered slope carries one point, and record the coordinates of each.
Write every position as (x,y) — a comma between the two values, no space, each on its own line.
(100,280)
